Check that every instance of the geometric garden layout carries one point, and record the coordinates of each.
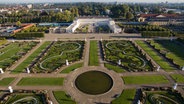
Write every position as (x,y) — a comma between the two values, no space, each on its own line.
(91,71)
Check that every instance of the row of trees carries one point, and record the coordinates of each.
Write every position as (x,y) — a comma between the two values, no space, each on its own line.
(28,35)
(124,11)
(144,27)
(156,33)
(66,16)
(36,29)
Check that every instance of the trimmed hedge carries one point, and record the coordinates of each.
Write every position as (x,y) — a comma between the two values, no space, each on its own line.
(29,35)
(156,33)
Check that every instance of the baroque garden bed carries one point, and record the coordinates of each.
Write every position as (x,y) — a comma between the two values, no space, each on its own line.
(125,54)
(13,52)
(57,55)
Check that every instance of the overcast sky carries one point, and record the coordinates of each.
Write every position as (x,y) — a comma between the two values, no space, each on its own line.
(36,1)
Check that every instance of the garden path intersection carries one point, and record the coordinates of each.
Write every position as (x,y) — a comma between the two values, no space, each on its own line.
(69,78)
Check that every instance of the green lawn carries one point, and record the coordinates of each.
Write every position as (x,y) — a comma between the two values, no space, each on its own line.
(6,81)
(114,67)
(126,97)
(154,55)
(174,50)
(72,67)
(151,79)
(3,42)
(26,62)
(13,52)
(93,54)
(62,98)
(41,82)
(178,78)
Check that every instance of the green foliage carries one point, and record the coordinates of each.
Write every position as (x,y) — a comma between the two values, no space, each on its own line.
(17,96)
(58,54)
(93,54)
(36,17)
(2,41)
(173,50)
(28,61)
(151,79)
(129,16)
(13,52)
(120,11)
(83,29)
(125,51)
(169,96)
(18,23)
(126,97)
(178,78)
(154,55)
(35,29)
(26,35)
(72,67)
(41,81)
(6,81)
(156,33)
(114,67)
(143,28)
(63,98)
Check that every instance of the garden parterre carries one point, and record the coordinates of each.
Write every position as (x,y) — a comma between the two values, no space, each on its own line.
(124,53)
(14,51)
(57,55)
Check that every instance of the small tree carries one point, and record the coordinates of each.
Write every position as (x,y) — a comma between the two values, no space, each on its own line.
(129,16)
(18,23)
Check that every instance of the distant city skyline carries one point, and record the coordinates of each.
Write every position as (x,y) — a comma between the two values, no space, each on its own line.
(44,1)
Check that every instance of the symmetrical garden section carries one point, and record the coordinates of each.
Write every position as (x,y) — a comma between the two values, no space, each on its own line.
(146,79)
(155,56)
(12,52)
(124,53)
(63,98)
(171,50)
(30,59)
(160,96)
(24,97)
(6,81)
(126,97)
(93,54)
(58,54)
(36,81)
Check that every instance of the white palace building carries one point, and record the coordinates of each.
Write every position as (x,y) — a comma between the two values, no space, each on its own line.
(95,21)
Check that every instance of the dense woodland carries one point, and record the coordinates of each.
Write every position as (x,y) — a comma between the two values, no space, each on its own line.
(126,12)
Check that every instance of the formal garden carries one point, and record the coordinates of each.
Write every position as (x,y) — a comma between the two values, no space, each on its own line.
(12,52)
(160,96)
(145,79)
(6,81)
(72,67)
(171,50)
(93,54)
(31,59)
(59,54)
(126,55)
(63,98)
(24,97)
(126,97)
(43,81)
(156,56)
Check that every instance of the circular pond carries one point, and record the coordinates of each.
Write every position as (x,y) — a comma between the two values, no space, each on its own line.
(94,82)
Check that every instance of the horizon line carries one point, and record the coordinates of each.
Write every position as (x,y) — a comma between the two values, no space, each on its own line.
(86,2)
